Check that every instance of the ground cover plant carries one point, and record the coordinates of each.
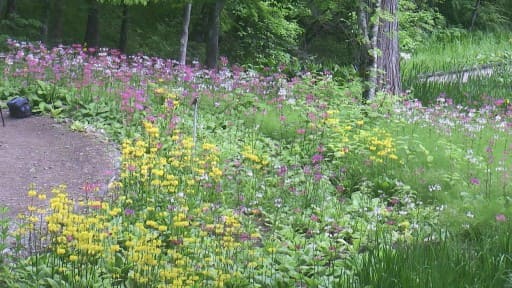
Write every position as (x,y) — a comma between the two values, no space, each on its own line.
(233,178)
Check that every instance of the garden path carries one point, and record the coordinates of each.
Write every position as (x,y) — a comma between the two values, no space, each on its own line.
(40,152)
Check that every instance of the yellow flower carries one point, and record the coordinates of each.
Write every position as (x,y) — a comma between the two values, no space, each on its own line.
(73,258)
(32,193)
(115,248)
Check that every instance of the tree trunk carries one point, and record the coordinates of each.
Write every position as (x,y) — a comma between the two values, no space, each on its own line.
(10,9)
(123,37)
(212,47)
(56,31)
(387,43)
(45,21)
(92,35)
(368,29)
(184,33)
(475,14)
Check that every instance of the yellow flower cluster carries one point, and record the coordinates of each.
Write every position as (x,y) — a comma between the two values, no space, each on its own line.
(257,162)
(74,235)
(380,144)
(149,236)
(331,119)
(353,137)
(199,250)
(170,99)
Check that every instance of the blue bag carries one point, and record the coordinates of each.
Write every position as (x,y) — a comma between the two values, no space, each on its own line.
(19,107)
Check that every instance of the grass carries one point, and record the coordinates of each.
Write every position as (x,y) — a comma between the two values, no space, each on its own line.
(269,183)
(456,53)
(473,260)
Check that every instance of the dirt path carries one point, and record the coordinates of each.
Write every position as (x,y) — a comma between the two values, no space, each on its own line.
(42,152)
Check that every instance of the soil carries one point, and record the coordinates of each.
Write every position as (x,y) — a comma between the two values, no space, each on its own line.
(42,153)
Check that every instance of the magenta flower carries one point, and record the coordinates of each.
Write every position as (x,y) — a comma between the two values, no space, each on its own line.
(282,171)
(499,102)
(317,158)
(501,218)
(474,181)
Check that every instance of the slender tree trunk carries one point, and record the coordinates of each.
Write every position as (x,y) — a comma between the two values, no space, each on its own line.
(92,35)
(387,44)
(369,29)
(56,31)
(123,37)
(374,70)
(475,14)
(10,9)
(45,21)
(184,33)
(212,47)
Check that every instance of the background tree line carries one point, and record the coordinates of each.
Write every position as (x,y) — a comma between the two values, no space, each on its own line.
(262,33)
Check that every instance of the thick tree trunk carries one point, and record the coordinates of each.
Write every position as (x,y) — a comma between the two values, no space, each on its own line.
(123,37)
(92,33)
(212,47)
(56,31)
(387,43)
(184,33)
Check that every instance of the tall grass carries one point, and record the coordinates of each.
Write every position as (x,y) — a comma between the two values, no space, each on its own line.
(464,260)
(457,53)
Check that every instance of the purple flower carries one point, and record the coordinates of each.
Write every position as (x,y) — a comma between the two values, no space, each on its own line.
(474,181)
(129,212)
(282,171)
(501,218)
(317,158)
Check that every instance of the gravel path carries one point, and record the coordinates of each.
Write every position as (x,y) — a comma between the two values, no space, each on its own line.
(40,152)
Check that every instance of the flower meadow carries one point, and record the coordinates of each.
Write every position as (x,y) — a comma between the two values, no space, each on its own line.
(238,178)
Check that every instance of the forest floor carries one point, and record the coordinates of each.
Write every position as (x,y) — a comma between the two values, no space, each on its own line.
(41,153)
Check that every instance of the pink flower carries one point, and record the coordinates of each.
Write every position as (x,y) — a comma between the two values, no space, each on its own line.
(501,218)
(317,158)
(499,102)
(474,181)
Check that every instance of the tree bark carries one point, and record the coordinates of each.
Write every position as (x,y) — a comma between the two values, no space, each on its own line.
(92,35)
(123,37)
(212,47)
(368,54)
(387,43)
(184,33)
